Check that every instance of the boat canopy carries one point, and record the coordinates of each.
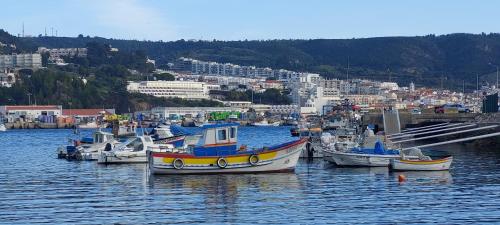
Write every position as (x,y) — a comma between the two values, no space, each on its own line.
(377,150)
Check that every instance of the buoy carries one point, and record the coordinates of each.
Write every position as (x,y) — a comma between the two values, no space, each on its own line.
(401,178)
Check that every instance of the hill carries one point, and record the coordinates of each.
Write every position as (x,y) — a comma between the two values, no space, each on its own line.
(424,59)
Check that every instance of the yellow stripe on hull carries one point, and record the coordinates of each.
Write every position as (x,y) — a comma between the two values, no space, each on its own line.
(230,159)
(424,162)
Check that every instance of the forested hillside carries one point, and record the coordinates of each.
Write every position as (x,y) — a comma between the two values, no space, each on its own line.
(424,60)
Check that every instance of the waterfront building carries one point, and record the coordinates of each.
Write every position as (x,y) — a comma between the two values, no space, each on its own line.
(20,61)
(168,112)
(284,109)
(87,114)
(30,111)
(171,89)
(238,104)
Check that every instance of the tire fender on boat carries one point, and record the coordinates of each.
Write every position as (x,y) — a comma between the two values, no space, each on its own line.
(178,163)
(253,160)
(222,162)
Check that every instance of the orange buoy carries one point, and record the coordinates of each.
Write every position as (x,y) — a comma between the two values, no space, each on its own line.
(401,178)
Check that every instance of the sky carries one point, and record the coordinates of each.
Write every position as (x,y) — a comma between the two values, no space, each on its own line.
(248,19)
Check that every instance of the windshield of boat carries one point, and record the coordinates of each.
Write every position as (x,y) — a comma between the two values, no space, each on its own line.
(135,145)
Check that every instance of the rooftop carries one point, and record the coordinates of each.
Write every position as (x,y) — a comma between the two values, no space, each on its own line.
(33,107)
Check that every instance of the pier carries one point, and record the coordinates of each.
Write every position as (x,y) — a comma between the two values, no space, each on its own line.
(408,120)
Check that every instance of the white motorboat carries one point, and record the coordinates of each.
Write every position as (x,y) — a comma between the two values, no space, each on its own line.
(2,127)
(101,141)
(265,123)
(131,151)
(372,157)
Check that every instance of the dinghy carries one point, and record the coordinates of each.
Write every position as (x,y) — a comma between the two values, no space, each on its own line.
(422,164)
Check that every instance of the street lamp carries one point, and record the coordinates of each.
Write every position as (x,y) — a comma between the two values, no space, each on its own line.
(491,64)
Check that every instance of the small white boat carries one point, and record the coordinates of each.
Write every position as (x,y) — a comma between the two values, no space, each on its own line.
(87,148)
(371,157)
(357,159)
(131,151)
(265,123)
(101,141)
(422,165)
(2,127)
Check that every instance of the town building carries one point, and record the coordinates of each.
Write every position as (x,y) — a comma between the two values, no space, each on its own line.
(7,78)
(57,54)
(169,112)
(87,115)
(20,61)
(171,89)
(30,111)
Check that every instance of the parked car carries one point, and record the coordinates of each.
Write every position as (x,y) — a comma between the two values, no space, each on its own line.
(459,107)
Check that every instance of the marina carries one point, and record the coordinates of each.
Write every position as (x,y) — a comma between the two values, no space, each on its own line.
(42,188)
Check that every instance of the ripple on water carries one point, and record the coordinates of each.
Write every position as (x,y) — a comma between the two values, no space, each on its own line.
(38,188)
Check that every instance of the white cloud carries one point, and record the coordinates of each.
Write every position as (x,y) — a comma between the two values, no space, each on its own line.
(130,19)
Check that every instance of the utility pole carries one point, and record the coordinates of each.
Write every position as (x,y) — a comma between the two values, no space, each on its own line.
(23,29)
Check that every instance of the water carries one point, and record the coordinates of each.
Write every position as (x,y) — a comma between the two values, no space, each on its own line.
(35,187)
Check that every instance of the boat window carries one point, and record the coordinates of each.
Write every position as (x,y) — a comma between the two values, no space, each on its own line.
(221,135)
(233,132)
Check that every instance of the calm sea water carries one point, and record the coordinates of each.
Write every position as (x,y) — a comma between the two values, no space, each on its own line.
(36,187)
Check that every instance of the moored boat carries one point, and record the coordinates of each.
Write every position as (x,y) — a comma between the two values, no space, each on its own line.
(218,153)
(377,156)
(131,151)
(2,127)
(422,165)
(265,123)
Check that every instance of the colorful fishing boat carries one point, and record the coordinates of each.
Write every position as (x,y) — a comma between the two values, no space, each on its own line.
(217,152)
(422,165)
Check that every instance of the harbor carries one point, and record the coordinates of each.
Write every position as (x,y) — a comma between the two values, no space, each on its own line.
(168,112)
(38,187)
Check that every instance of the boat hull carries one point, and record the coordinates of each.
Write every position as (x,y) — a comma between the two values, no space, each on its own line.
(110,158)
(281,160)
(421,165)
(353,159)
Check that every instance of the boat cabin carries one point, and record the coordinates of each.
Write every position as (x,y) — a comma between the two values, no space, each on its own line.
(102,137)
(217,140)
(137,144)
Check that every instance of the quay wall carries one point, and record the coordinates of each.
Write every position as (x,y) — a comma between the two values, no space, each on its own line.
(38,125)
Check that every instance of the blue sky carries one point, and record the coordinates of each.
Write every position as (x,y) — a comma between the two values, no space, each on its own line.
(249,19)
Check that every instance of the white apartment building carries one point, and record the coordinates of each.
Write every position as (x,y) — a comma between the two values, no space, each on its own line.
(30,111)
(58,53)
(171,89)
(27,61)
